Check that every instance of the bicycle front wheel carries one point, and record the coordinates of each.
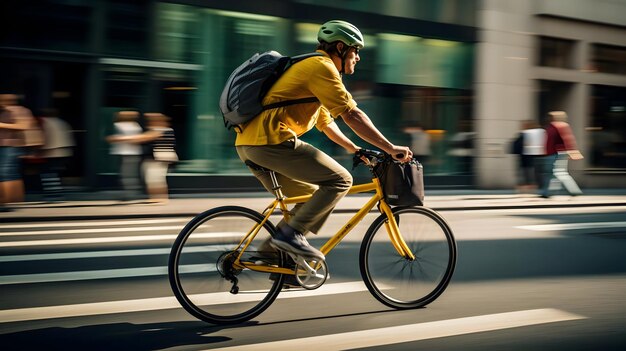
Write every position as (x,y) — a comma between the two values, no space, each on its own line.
(399,282)
(202,274)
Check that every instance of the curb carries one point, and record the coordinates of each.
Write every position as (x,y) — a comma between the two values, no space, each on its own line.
(46,218)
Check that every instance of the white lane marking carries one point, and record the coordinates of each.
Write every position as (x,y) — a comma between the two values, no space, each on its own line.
(115,239)
(97,274)
(571,226)
(416,332)
(160,303)
(110,253)
(86,254)
(93,230)
(91,223)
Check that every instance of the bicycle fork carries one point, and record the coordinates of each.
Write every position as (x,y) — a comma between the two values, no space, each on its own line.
(394,233)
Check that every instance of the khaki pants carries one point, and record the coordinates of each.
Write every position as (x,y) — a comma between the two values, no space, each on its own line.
(301,169)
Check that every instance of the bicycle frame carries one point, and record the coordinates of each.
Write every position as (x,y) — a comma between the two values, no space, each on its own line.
(281,203)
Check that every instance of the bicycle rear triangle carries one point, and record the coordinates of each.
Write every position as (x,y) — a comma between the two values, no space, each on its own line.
(407,256)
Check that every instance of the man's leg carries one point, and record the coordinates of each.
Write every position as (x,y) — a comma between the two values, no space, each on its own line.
(296,163)
(302,162)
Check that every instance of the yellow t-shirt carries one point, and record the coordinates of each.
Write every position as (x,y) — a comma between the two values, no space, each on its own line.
(316,76)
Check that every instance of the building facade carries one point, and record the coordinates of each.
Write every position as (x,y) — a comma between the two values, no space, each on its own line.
(538,56)
(467,72)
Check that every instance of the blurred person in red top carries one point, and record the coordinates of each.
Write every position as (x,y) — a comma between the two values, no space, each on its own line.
(560,147)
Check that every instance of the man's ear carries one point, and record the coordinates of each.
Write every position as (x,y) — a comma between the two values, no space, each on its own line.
(340,46)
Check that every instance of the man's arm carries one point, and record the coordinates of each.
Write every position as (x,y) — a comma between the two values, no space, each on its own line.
(335,134)
(361,124)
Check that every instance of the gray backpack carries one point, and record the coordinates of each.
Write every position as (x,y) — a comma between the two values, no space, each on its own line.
(242,97)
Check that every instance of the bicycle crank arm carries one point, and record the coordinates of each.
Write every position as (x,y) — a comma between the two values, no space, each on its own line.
(310,273)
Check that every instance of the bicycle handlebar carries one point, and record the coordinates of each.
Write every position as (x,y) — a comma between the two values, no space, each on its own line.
(368,157)
(370,153)
(371,158)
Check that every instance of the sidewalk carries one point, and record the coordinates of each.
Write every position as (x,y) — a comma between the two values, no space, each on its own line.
(101,206)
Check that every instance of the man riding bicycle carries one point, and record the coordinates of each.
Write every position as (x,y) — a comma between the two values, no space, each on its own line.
(271,140)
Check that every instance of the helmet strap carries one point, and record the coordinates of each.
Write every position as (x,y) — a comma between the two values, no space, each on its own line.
(343,55)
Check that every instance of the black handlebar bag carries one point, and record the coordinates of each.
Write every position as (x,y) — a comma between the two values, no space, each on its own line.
(402,183)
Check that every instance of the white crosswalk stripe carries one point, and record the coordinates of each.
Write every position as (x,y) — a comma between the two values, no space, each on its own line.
(92,223)
(93,230)
(109,239)
(416,332)
(95,274)
(573,226)
(159,303)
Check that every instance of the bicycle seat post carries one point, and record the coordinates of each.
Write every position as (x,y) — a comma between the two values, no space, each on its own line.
(275,186)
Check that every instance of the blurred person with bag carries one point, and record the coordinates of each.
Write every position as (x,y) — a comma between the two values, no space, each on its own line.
(530,148)
(420,142)
(160,136)
(125,144)
(560,147)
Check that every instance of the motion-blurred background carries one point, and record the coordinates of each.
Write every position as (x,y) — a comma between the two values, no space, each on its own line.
(468,72)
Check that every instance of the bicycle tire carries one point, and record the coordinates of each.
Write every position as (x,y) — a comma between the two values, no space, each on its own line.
(200,271)
(401,283)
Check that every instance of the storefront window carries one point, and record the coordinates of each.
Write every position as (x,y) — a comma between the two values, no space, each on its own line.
(556,52)
(127,28)
(177,33)
(67,25)
(609,59)
(431,86)
(444,116)
(608,127)
(445,11)
(226,39)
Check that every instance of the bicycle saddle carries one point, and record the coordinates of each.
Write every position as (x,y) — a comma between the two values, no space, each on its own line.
(256,167)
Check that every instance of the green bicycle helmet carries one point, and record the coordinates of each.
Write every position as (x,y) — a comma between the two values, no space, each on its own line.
(337,30)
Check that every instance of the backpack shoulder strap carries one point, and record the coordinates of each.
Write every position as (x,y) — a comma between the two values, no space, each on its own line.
(290,102)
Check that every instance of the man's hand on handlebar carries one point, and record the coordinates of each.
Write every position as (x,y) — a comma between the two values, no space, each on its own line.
(401,153)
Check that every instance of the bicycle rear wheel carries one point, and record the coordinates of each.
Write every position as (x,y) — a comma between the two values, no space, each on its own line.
(201,271)
(401,283)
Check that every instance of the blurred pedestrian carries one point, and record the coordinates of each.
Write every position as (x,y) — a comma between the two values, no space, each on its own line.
(462,148)
(530,146)
(125,144)
(160,136)
(560,147)
(15,124)
(420,142)
(56,152)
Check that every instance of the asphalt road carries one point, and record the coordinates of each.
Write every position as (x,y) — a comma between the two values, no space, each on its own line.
(526,279)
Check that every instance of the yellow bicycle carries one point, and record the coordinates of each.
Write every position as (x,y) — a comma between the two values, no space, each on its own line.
(407,256)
